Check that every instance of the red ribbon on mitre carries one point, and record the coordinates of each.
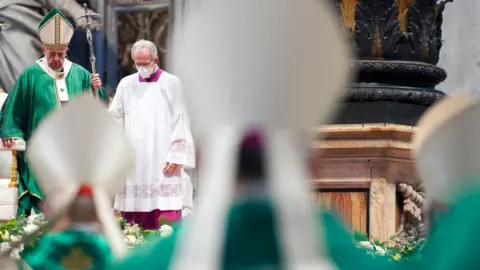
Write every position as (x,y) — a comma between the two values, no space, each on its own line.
(85,190)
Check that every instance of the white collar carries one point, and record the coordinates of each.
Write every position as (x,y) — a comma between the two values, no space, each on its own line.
(67,65)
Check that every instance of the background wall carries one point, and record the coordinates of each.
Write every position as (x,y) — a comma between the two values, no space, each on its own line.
(460,54)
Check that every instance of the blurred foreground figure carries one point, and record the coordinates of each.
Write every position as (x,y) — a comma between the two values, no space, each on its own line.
(256,81)
(80,180)
(448,161)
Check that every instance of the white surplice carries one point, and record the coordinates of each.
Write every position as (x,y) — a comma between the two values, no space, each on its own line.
(157,123)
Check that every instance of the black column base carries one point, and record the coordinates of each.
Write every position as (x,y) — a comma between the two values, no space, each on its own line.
(375,103)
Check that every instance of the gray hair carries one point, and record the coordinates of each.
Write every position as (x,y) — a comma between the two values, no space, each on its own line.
(144,44)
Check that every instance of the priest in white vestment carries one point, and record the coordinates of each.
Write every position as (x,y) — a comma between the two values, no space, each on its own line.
(150,105)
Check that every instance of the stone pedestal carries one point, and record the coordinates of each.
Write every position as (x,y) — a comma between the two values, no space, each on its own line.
(356,170)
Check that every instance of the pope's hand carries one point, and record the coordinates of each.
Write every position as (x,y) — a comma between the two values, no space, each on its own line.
(96,83)
(8,142)
(171,169)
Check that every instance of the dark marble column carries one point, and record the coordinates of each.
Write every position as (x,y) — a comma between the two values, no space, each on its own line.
(397,44)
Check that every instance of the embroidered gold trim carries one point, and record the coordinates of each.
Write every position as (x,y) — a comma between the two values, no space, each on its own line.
(23,194)
(57,29)
(59,103)
(35,195)
(55,46)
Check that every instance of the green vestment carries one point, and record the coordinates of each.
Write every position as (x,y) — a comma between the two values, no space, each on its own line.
(70,249)
(251,243)
(452,245)
(32,98)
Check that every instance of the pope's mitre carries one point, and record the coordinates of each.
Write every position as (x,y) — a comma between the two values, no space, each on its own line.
(55,30)
(276,66)
(81,145)
(445,145)
(258,69)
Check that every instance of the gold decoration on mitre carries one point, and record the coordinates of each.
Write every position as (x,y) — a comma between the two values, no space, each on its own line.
(82,145)
(446,146)
(245,66)
(55,30)
(77,259)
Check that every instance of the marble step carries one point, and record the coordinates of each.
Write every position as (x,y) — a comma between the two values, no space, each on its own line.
(8,200)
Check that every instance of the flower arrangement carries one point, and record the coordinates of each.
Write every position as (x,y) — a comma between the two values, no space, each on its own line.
(10,232)
(134,235)
(395,248)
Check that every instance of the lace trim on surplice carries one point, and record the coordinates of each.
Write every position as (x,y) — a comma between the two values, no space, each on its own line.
(149,191)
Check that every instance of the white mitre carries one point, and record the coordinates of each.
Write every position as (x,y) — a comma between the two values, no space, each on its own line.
(55,30)
(446,146)
(277,65)
(78,145)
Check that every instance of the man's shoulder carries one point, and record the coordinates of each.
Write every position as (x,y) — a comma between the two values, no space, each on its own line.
(128,80)
(169,76)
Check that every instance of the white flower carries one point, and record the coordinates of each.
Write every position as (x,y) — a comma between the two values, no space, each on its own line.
(130,239)
(380,250)
(165,231)
(15,238)
(365,244)
(33,217)
(133,240)
(30,228)
(132,229)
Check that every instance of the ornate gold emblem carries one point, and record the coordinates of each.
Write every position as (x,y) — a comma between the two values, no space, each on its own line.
(77,260)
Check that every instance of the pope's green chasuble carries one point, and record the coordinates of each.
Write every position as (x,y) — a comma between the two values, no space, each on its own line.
(251,243)
(71,249)
(37,92)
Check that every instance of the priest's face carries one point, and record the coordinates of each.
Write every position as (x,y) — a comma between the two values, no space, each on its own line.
(143,58)
(55,58)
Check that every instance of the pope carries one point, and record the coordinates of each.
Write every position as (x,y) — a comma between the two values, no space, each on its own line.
(80,181)
(45,85)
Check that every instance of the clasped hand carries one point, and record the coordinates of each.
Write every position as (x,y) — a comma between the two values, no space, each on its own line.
(8,142)
(171,168)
